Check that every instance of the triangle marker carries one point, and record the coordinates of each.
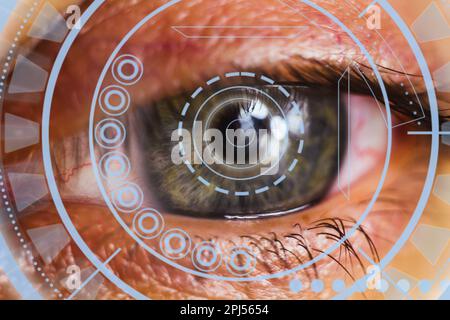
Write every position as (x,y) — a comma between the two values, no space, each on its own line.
(442,188)
(431,25)
(400,290)
(49,25)
(49,241)
(430,241)
(27,77)
(27,189)
(19,133)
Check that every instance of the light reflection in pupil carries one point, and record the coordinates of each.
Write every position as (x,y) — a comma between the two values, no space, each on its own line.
(254,118)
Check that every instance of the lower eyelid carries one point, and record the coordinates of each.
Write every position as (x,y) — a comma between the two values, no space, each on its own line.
(140,267)
(382,227)
(77,178)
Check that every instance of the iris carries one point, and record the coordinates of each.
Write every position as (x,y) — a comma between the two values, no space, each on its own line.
(296,139)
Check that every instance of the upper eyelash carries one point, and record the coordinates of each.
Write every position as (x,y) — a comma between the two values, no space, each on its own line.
(311,72)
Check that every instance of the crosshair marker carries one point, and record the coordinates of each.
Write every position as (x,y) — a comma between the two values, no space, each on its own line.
(424,133)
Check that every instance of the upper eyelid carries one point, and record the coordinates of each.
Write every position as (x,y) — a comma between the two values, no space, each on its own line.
(305,72)
(327,73)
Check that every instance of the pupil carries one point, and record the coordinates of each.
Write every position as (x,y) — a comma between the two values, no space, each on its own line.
(240,116)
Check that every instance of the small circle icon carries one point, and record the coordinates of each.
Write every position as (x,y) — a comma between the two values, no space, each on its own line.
(115,165)
(148,223)
(241,261)
(175,244)
(206,256)
(110,133)
(127,198)
(127,69)
(114,100)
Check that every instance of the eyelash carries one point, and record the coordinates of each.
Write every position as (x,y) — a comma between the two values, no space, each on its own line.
(333,229)
(323,74)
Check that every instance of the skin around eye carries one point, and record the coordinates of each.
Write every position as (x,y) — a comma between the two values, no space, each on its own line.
(382,227)
(208,57)
(279,243)
(361,151)
(276,240)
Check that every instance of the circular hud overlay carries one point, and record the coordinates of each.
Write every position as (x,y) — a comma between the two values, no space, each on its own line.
(108,96)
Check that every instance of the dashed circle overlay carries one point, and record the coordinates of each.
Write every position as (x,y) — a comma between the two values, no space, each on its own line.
(263,188)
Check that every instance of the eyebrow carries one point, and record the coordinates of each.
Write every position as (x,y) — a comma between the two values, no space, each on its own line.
(310,71)
(336,44)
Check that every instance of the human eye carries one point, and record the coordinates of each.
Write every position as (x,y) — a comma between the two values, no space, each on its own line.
(202,156)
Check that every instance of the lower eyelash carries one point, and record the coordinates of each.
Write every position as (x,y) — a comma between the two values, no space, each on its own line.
(339,226)
(332,228)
